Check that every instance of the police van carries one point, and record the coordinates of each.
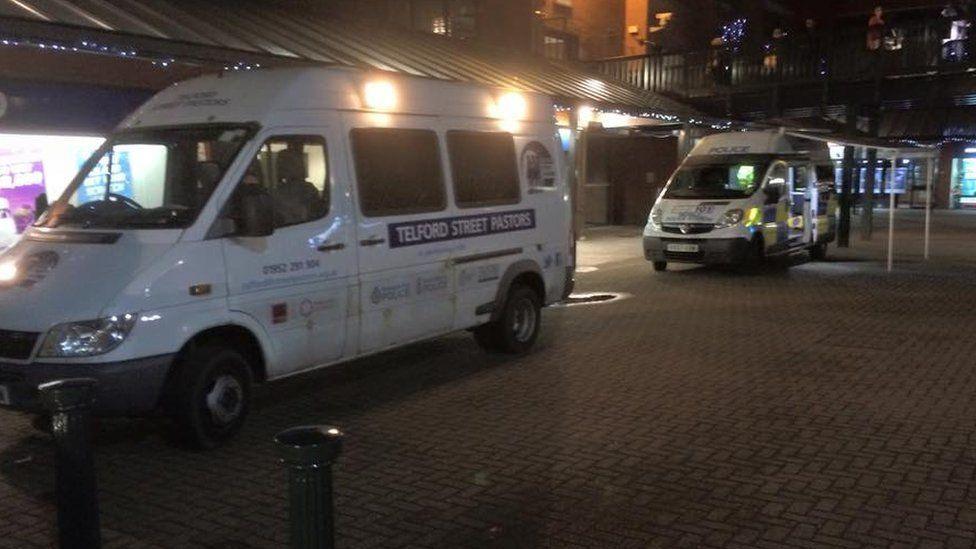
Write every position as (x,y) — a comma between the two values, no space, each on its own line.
(246,227)
(741,197)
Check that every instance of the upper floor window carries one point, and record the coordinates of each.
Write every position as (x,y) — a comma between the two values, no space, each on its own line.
(455,18)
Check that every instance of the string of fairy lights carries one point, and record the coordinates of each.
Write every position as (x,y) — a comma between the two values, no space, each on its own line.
(123,52)
(165,62)
(649,115)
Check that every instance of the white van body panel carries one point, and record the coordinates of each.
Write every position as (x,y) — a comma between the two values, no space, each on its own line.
(310,294)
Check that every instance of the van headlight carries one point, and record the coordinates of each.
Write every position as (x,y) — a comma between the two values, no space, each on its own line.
(87,338)
(656,217)
(730,219)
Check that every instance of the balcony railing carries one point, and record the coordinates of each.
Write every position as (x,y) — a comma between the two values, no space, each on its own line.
(840,56)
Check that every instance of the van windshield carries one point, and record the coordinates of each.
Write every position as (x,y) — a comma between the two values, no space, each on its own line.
(713,177)
(145,179)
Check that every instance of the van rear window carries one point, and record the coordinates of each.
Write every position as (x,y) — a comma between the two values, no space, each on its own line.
(484,168)
(398,171)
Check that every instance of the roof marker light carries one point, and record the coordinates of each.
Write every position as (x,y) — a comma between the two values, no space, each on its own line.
(380,95)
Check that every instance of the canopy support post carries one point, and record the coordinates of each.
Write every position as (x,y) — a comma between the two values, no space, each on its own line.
(928,205)
(891,214)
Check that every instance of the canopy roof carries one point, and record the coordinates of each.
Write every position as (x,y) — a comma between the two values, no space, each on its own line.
(249,33)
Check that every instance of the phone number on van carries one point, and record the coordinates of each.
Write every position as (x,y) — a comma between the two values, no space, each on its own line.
(412,233)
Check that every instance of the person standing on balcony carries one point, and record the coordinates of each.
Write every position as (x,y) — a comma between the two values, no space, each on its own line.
(773,50)
(720,61)
(954,47)
(876,29)
(811,58)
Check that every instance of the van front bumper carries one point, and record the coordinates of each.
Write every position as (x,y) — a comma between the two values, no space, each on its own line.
(711,251)
(132,387)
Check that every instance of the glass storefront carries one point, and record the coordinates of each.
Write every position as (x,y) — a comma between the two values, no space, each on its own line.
(963,182)
(35,164)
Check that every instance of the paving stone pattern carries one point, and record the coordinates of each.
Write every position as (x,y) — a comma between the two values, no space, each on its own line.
(809,405)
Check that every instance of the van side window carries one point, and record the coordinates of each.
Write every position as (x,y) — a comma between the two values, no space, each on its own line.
(295,171)
(398,171)
(825,174)
(484,168)
(799,178)
(779,173)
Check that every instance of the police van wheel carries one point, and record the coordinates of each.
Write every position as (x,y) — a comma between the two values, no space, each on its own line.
(818,252)
(518,326)
(660,266)
(757,254)
(212,395)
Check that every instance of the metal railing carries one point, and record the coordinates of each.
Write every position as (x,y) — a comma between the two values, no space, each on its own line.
(838,56)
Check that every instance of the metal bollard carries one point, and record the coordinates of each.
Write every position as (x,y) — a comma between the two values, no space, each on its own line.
(69,402)
(308,453)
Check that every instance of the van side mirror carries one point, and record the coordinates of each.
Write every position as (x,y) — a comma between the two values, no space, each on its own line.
(40,205)
(255,213)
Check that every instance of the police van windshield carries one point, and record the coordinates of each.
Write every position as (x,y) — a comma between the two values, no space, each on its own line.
(146,179)
(717,177)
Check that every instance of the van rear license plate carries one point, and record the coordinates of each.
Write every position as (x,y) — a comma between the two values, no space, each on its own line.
(4,395)
(683,248)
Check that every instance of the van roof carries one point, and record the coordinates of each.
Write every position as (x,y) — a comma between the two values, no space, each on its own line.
(256,95)
(761,142)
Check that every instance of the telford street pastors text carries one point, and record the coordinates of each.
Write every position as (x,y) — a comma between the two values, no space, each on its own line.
(411,233)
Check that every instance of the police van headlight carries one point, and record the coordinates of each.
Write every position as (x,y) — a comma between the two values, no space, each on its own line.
(730,219)
(656,217)
(87,338)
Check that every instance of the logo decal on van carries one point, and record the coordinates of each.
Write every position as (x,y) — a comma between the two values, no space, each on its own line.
(537,166)
(413,233)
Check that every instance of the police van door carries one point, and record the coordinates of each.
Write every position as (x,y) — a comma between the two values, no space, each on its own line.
(296,281)
(404,247)
(799,220)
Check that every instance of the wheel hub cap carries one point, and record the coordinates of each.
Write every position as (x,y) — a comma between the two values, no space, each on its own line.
(225,399)
(524,322)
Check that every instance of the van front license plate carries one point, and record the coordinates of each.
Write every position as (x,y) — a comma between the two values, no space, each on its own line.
(683,248)
(4,395)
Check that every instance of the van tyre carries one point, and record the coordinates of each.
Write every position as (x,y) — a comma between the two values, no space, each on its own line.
(756,257)
(517,327)
(818,252)
(660,266)
(211,395)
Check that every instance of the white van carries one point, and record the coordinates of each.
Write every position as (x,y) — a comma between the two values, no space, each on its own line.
(740,197)
(250,226)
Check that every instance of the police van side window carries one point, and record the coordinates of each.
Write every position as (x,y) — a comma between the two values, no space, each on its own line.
(398,171)
(799,178)
(484,168)
(294,170)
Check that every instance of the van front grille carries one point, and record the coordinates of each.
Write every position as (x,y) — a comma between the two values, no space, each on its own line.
(17,345)
(690,228)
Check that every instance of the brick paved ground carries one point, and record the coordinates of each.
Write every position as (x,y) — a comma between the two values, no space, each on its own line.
(823,405)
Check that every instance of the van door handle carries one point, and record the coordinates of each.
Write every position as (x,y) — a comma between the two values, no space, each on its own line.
(375,241)
(330,247)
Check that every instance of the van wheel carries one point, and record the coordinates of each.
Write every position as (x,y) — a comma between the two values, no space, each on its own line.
(757,254)
(212,395)
(660,266)
(518,326)
(818,252)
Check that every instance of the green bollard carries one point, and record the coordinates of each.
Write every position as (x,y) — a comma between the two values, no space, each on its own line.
(69,401)
(308,453)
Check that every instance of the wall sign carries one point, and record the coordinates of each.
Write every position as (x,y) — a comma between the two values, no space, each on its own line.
(118,177)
